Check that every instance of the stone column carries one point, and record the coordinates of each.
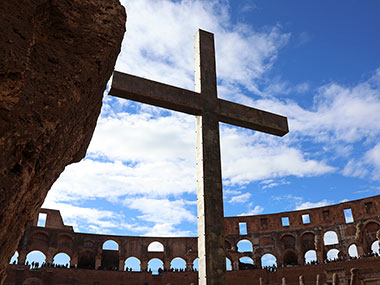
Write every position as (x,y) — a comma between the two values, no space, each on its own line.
(189,265)
(121,264)
(354,280)
(144,265)
(235,265)
(21,257)
(283,281)
(318,281)
(98,261)
(167,265)
(261,282)
(335,280)
(301,280)
(74,261)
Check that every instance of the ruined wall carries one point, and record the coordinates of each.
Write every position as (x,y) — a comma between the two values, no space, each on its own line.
(56,58)
(288,243)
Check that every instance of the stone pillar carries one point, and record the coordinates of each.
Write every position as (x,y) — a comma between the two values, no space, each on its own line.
(98,261)
(335,280)
(121,264)
(235,265)
(144,265)
(258,261)
(21,257)
(167,265)
(301,280)
(283,281)
(318,281)
(354,280)
(74,261)
(189,265)
(261,282)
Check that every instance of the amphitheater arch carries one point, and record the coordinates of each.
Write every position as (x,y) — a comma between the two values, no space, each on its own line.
(310,256)
(86,260)
(65,242)
(290,258)
(268,259)
(288,241)
(154,265)
(244,245)
(178,263)
(353,251)
(330,238)
(36,257)
(110,245)
(307,241)
(132,264)
(333,254)
(62,258)
(156,246)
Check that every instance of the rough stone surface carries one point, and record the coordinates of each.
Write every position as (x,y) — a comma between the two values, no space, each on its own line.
(88,260)
(56,58)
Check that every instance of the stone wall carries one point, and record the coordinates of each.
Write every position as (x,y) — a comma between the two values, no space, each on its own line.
(288,243)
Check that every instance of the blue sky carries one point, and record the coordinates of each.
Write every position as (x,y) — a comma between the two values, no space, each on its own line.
(316,62)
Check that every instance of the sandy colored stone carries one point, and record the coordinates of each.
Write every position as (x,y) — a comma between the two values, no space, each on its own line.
(56,58)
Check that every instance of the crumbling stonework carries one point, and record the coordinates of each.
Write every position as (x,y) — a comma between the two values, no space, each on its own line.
(91,264)
(56,58)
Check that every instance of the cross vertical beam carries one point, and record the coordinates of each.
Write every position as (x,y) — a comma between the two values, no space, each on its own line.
(212,261)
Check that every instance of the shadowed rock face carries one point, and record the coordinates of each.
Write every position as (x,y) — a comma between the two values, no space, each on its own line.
(56,58)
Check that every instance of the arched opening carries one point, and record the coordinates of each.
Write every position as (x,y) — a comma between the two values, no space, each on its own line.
(244,246)
(196,264)
(156,247)
(310,257)
(178,264)
(288,241)
(228,264)
(290,258)
(330,238)
(86,260)
(155,266)
(375,247)
(35,259)
(132,264)
(307,241)
(62,259)
(353,251)
(268,260)
(332,254)
(246,263)
(110,245)
(14,259)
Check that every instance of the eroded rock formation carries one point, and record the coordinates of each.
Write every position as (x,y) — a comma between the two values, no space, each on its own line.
(56,58)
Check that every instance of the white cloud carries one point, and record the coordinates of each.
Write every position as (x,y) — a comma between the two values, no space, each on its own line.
(240,198)
(309,205)
(165,214)
(89,219)
(253,211)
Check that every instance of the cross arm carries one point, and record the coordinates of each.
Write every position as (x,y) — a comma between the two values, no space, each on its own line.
(251,118)
(154,93)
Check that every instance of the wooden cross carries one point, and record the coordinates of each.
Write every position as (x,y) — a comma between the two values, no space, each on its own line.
(209,111)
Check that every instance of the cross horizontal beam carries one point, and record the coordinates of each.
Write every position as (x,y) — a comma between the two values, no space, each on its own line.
(177,99)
